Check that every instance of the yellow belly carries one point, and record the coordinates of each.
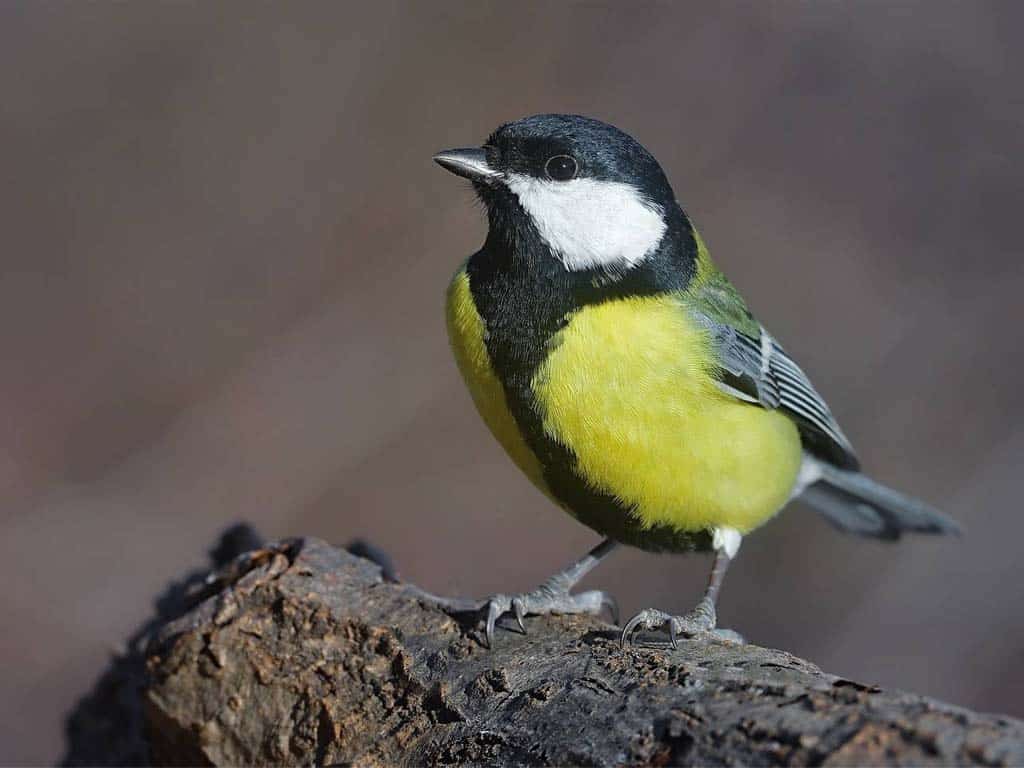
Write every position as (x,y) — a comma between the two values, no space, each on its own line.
(628,387)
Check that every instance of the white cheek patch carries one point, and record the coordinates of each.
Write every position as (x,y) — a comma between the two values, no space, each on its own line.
(590,223)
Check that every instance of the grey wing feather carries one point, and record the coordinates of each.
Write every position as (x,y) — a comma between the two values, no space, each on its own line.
(759,371)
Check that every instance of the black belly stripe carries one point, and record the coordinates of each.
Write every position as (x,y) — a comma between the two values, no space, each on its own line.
(525,297)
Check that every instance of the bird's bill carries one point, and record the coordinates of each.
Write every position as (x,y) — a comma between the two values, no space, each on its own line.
(470,163)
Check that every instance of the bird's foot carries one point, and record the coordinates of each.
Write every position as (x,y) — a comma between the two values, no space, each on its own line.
(700,622)
(550,598)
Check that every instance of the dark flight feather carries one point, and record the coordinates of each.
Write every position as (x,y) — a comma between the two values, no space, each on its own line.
(759,370)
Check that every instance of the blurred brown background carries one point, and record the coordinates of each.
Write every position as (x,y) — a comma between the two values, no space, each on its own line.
(224,251)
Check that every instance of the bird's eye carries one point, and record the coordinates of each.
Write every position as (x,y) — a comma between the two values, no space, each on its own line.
(560,168)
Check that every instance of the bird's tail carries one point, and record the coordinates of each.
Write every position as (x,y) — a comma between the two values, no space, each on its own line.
(855,503)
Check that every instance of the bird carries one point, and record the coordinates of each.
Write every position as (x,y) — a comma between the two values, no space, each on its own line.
(627,379)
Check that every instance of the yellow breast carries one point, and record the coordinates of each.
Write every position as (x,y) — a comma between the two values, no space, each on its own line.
(628,387)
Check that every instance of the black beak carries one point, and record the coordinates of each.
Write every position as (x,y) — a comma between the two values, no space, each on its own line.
(468,163)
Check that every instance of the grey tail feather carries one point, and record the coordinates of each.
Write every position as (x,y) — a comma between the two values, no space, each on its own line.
(855,503)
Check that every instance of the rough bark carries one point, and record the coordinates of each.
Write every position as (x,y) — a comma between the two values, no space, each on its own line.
(300,653)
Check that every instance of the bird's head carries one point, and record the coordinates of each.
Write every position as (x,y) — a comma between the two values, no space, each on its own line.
(592,193)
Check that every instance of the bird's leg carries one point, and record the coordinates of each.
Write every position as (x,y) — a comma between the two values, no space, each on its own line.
(551,597)
(702,619)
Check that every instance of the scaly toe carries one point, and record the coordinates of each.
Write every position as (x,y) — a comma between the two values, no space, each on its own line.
(594,602)
(728,636)
(545,601)
(693,624)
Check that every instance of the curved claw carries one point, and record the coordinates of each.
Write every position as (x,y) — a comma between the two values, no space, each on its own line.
(520,611)
(494,610)
(650,618)
(628,630)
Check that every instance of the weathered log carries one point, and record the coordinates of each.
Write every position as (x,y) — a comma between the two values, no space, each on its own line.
(301,653)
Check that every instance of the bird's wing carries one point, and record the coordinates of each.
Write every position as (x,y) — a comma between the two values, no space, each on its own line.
(753,367)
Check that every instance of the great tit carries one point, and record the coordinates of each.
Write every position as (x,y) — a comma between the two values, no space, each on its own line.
(624,374)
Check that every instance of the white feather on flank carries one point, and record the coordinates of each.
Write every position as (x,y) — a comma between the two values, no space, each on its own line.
(810,472)
(590,223)
(726,540)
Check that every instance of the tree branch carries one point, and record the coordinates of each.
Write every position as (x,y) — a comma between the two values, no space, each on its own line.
(301,653)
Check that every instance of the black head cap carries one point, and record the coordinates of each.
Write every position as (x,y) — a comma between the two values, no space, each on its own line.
(572,146)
